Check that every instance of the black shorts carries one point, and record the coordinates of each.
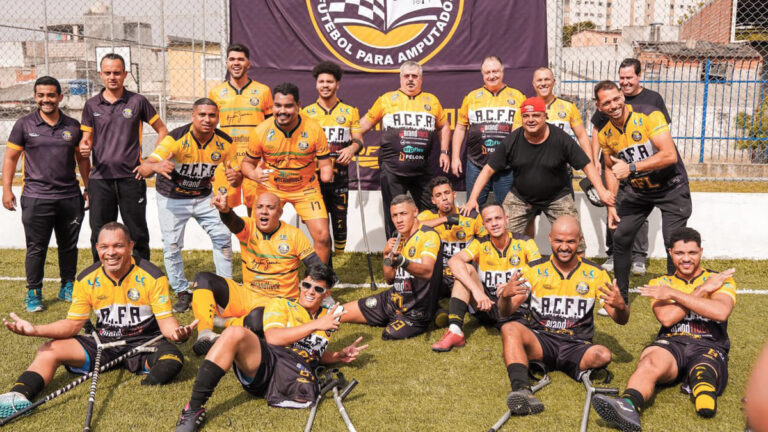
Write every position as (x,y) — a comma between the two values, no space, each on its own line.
(379,311)
(688,354)
(446,286)
(136,364)
(492,317)
(562,353)
(283,378)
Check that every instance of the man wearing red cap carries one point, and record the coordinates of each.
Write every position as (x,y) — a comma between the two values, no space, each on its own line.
(539,155)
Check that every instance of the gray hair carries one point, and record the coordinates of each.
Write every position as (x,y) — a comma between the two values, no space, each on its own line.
(410,65)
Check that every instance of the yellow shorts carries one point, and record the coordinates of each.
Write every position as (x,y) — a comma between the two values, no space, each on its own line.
(247,189)
(241,301)
(307,201)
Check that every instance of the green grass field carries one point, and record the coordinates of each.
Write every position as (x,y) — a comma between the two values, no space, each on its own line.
(404,386)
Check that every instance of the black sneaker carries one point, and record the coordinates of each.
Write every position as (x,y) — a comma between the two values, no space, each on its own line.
(618,412)
(523,402)
(203,345)
(182,305)
(190,420)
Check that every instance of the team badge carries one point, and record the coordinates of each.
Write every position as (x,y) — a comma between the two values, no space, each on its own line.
(511,101)
(162,299)
(514,260)
(479,94)
(127,113)
(461,235)
(562,114)
(215,156)
(303,145)
(254,101)
(582,288)
(341,119)
(283,248)
(412,251)
(371,302)
(637,136)
(222,190)
(223,92)
(133,294)
(66,135)
(394,96)
(427,107)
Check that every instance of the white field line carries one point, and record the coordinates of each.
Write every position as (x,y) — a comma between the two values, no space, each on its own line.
(379,284)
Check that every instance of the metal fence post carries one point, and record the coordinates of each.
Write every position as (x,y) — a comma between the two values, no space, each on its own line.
(224,36)
(45,42)
(205,52)
(704,114)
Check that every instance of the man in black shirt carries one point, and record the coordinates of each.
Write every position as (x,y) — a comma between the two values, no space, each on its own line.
(634,94)
(539,155)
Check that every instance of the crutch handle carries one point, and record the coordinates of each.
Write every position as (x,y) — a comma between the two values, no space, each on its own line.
(348,389)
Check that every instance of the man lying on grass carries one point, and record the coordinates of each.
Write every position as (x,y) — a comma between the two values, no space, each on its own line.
(281,366)
(130,298)
(693,305)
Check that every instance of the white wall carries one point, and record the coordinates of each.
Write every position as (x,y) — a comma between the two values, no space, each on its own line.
(731,225)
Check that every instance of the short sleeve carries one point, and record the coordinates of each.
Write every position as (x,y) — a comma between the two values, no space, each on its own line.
(86,123)
(576,119)
(574,153)
(517,121)
(148,113)
(160,299)
(213,96)
(322,150)
(498,159)
(377,111)
(462,117)
(166,147)
(441,115)
(255,145)
(302,245)
(16,138)
(77,135)
(80,309)
(431,245)
(245,233)
(728,288)
(531,251)
(275,314)
(657,124)
(266,103)
(473,248)
(478,227)
(354,121)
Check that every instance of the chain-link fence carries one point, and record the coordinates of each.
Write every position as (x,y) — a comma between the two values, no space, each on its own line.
(173,52)
(706,58)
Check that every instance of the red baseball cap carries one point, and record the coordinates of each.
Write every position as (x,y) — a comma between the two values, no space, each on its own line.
(534,104)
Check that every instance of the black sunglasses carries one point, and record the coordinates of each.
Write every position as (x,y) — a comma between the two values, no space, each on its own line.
(318,289)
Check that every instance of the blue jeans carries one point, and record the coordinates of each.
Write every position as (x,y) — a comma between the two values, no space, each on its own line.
(174,214)
(501,182)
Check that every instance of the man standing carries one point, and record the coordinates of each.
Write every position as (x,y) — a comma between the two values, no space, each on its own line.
(635,94)
(651,167)
(693,305)
(282,156)
(243,105)
(487,115)
(50,200)
(129,297)
(341,124)
(112,132)
(186,160)
(414,266)
(541,156)
(410,121)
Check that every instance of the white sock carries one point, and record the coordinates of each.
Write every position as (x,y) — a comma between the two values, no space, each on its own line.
(206,334)
(455,329)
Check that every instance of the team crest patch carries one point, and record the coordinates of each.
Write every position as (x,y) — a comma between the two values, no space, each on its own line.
(514,260)
(461,235)
(127,113)
(66,136)
(303,145)
(133,294)
(215,156)
(162,299)
(283,248)
(222,190)
(479,94)
(271,135)
(223,92)
(637,136)
(412,251)
(562,114)
(341,119)
(427,107)
(371,302)
(254,101)
(394,96)
(511,101)
(582,288)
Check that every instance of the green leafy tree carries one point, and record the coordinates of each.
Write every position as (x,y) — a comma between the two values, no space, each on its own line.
(755,129)
(570,30)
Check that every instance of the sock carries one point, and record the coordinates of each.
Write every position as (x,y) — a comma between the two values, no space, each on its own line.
(457,308)
(206,334)
(518,375)
(29,384)
(208,376)
(634,397)
(203,308)
(703,380)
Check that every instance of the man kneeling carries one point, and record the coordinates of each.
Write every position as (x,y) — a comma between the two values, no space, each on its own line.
(693,306)
(281,366)
(131,300)
(563,291)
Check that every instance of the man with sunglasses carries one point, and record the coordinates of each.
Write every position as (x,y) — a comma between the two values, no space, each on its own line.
(270,250)
(279,367)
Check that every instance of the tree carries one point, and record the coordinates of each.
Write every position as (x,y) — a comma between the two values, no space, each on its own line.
(570,30)
(755,129)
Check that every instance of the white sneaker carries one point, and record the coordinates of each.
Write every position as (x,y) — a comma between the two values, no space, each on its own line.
(12,402)
(603,312)
(608,264)
(638,268)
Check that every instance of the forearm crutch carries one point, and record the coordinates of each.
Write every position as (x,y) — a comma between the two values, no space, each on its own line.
(543,382)
(95,377)
(591,391)
(338,397)
(362,219)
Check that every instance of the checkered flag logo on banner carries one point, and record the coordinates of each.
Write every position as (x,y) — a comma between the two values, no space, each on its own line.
(384,15)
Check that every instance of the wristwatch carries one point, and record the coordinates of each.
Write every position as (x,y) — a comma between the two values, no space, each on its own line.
(632,168)
(445,152)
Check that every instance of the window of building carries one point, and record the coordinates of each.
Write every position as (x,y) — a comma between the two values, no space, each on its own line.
(718,72)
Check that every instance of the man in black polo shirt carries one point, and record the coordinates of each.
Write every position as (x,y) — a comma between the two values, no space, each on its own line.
(50,199)
(634,94)
(112,132)
(539,155)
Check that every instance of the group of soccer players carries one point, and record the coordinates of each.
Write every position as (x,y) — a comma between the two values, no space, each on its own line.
(269,150)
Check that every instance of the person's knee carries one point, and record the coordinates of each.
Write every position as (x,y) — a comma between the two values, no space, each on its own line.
(233,335)
(511,332)
(254,321)
(164,364)
(214,283)
(204,280)
(598,356)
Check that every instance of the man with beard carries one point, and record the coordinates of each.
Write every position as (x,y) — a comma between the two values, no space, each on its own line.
(50,200)
(243,105)
(561,291)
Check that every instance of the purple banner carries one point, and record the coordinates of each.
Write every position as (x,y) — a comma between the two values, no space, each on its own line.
(371,38)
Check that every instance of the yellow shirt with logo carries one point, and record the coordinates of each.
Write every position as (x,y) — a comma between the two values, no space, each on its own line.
(496,266)
(455,237)
(127,308)
(271,261)
(285,313)
(291,155)
(412,296)
(338,123)
(564,115)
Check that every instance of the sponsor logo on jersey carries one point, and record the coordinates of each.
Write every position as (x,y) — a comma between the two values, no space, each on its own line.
(66,135)
(133,294)
(139,280)
(588,274)
(283,248)
(582,288)
(223,92)
(95,283)
(127,113)
(271,135)
(162,299)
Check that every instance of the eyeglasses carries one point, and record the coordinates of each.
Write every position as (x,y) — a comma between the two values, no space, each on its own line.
(318,289)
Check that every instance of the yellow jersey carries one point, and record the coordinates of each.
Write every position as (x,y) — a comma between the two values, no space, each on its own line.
(564,115)
(412,296)
(338,123)
(285,313)
(496,266)
(455,237)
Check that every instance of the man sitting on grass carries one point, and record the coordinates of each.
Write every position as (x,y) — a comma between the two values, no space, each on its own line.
(693,305)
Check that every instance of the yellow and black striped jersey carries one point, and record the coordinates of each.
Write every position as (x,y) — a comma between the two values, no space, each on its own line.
(632,143)
(412,296)
(561,303)
(271,261)
(455,237)
(286,313)
(195,162)
(338,123)
(564,115)
(496,266)
(127,308)
(489,118)
(694,326)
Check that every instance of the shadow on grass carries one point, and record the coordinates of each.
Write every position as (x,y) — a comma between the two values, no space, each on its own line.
(102,400)
(620,355)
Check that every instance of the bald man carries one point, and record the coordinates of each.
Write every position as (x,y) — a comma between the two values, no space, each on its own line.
(561,292)
(271,251)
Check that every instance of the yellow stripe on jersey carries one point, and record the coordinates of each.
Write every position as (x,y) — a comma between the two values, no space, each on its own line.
(455,237)
(496,266)
(338,123)
(285,313)
(564,115)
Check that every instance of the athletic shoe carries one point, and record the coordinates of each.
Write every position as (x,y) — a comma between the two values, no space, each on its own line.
(523,402)
(203,344)
(602,312)
(618,412)
(190,421)
(65,292)
(608,264)
(448,341)
(441,318)
(12,402)
(638,268)
(34,300)
(182,305)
